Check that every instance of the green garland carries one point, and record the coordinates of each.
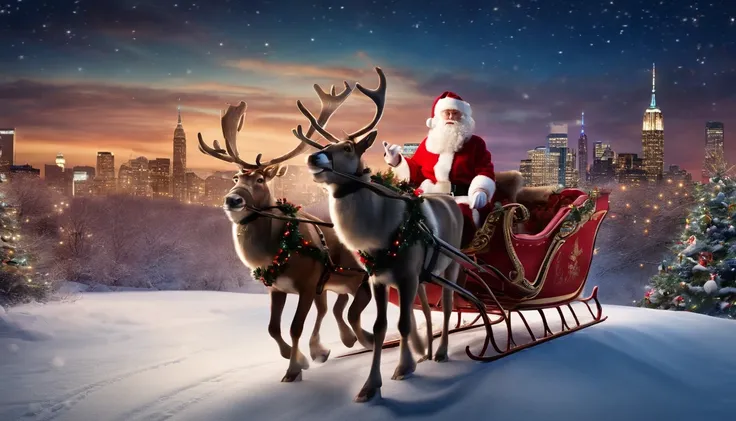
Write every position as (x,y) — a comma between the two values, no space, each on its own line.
(577,212)
(388,179)
(292,242)
(407,234)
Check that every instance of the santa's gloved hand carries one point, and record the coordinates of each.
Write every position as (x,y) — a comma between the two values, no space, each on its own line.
(478,200)
(391,154)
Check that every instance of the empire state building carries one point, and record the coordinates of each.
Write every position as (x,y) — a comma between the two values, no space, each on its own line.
(652,139)
(179,170)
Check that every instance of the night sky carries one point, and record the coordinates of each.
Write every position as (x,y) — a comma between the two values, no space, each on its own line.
(81,76)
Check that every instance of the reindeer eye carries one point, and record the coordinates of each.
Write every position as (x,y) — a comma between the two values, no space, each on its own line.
(260,180)
(235,179)
(348,148)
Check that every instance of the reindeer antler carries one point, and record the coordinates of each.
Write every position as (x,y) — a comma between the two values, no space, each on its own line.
(232,123)
(378,96)
(330,103)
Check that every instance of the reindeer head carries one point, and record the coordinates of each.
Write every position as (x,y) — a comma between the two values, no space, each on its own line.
(251,190)
(342,155)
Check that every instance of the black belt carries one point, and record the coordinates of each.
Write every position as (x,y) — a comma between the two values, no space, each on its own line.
(459,189)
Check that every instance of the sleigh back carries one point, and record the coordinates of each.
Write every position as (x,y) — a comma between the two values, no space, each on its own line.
(542,253)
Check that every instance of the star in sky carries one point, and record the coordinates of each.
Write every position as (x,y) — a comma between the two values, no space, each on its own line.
(83,76)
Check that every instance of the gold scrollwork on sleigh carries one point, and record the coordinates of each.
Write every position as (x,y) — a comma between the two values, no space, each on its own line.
(482,236)
(515,213)
(512,218)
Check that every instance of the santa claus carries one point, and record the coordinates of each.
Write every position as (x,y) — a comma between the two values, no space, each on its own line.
(451,159)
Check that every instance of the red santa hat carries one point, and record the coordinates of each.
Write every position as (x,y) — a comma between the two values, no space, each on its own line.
(449,101)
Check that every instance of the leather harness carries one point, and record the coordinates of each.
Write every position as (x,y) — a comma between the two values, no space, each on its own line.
(329,266)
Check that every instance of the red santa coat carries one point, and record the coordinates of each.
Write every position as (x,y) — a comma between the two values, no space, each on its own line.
(471,166)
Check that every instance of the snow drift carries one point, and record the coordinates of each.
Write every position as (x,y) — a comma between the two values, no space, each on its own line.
(189,355)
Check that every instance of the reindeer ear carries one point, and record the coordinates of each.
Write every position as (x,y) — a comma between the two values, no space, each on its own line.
(270,171)
(365,142)
(275,170)
(282,170)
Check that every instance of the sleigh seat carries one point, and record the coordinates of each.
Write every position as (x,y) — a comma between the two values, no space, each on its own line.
(542,203)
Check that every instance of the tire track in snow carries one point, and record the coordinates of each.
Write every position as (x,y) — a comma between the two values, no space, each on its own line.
(150,412)
(54,408)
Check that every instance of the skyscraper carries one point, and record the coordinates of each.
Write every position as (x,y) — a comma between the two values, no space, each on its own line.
(7,143)
(60,160)
(179,167)
(105,178)
(408,149)
(583,153)
(159,170)
(557,145)
(599,149)
(652,138)
(714,139)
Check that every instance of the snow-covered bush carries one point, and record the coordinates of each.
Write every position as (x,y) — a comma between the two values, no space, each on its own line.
(123,241)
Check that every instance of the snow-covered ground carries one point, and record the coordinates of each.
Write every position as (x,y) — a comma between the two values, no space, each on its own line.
(207,356)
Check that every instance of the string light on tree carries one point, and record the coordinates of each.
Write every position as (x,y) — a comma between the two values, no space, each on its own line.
(702,275)
(17,284)
(653,217)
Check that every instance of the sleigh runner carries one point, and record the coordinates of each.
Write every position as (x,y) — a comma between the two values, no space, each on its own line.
(537,255)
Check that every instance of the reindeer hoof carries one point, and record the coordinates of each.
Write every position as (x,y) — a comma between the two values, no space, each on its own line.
(349,340)
(368,393)
(303,362)
(321,356)
(441,358)
(441,355)
(402,373)
(290,378)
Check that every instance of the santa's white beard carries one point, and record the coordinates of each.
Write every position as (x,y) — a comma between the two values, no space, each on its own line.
(444,137)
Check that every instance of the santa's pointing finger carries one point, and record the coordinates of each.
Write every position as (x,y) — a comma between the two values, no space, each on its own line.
(391,153)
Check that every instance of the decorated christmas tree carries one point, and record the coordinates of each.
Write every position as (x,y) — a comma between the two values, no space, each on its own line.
(17,283)
(700,276)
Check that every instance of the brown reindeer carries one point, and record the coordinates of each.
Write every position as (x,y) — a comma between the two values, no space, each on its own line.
(367,221)
(257,235)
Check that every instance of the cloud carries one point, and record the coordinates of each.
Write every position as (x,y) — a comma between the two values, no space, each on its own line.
(80,118)
(401,82)
(295,70)
(514,117)
(131,119)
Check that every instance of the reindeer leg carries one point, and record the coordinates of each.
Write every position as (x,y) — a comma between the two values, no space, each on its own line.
(453,271)
(297,360)
(372,386)
(316,350)
(430,332)
(360,302)
(346,334)
(278,300)
(407,294)
(415,341)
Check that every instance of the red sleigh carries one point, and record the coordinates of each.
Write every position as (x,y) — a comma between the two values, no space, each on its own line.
(536,253)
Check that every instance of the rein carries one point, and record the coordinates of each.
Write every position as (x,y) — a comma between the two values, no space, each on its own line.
(377,188)
(259,212)
(438,245)
(329,266)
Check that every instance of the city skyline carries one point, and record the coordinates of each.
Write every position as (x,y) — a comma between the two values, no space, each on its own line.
(77,81)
